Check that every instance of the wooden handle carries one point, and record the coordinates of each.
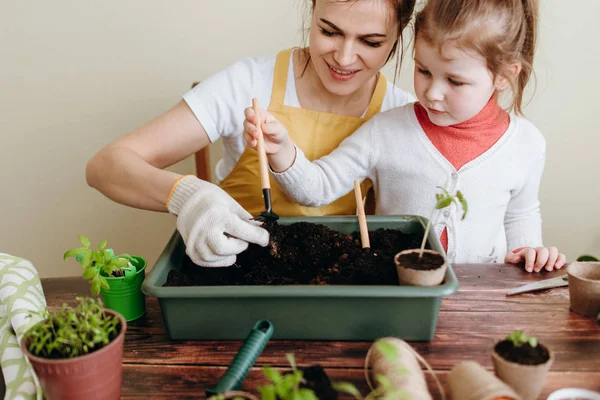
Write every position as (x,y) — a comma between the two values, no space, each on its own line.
(362,219)
(263,164)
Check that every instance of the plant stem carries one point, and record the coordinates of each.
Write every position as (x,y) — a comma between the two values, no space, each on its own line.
(425,235)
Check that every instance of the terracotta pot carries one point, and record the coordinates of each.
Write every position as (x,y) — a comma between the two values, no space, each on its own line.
(94,376)
(584,287)
(526,380)
(416,277)
(470,381)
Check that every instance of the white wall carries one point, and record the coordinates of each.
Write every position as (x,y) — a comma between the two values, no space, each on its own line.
(76,75)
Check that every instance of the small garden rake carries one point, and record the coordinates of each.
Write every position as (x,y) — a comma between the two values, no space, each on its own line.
(268,214)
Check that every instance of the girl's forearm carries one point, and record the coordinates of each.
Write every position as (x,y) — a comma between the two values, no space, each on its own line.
(123,176)
(284,158)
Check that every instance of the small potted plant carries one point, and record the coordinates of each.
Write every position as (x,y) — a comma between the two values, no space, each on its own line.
(118,278)
(424,267)
(523,363)
(70,348)
(584,286)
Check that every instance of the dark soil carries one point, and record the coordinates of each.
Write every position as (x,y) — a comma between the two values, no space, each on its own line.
(306,253)
(318,381)
(525,355)
(426,263)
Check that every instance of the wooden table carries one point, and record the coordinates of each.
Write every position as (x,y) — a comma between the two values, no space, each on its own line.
(469,323)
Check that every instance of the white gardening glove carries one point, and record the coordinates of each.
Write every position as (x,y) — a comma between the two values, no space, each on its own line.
(214,227)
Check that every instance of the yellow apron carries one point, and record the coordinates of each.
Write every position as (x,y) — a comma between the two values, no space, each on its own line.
(316,133)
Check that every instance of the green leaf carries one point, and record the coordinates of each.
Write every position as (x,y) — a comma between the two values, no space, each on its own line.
(306,394)
(97,257)
(95,287)
(533,342)
(84,241)
(291,360)
(86,261)
(463,203)
(587,257)
(102,245)
(120,262)
(384,382)
(272,374)
(348,388)
(89,273)
(71,253)
(106,257)
(267,392)
(104,283)
(443,203)
(387,349)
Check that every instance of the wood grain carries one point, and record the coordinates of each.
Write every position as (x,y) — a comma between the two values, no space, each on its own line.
(469,323)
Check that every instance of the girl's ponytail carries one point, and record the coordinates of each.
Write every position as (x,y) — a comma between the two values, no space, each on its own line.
(527,51)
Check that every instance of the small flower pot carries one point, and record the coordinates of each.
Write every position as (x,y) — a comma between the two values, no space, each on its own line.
(470,381)
(429,270)
(125,294)
(96,375)
(522,368)
(584,288)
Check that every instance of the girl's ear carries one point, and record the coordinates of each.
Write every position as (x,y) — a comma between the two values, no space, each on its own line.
(512,71)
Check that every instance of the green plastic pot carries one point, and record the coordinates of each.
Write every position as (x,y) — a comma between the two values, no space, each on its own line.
(125,294)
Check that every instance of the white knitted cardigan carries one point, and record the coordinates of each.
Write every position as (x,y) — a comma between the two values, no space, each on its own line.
(501,186)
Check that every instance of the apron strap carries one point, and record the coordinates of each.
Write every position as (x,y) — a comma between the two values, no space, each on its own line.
(378,96)
(282,63)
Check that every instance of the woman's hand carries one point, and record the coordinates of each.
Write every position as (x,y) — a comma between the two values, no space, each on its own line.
(279,147)
(214,227)
(536,259)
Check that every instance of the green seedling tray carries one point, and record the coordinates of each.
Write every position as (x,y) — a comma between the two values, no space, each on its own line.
(315,312)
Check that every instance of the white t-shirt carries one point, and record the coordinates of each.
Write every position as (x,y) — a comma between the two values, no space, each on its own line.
(219,102)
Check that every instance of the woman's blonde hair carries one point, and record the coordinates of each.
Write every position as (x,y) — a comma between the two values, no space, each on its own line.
(502,31)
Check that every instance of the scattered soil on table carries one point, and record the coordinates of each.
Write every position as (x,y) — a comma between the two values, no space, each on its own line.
(306,253)
(525,355)
(426,263)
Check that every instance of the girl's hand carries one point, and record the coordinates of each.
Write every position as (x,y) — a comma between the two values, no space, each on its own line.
(274,132)
(537,258)
(279,147)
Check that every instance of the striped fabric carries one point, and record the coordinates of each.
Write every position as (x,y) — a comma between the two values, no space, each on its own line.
(20,293)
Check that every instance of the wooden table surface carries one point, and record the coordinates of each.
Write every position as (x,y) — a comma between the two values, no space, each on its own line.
(469,323)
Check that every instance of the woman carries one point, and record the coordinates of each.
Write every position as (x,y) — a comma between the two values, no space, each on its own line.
(321,93)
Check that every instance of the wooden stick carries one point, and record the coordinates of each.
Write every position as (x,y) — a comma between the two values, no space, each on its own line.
(260,148)
(362,219)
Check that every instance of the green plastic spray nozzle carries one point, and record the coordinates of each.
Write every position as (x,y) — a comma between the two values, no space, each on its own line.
(254,344)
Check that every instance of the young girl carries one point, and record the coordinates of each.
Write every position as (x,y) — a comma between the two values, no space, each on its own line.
(457,137)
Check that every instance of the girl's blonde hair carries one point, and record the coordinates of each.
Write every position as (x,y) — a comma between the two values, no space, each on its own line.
(501,31)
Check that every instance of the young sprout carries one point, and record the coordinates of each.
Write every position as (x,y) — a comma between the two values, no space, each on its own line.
(518,339)
(444,200)
(95,261)
(70,332)
(285,386)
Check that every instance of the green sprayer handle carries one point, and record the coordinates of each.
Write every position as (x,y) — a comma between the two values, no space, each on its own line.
(254,344)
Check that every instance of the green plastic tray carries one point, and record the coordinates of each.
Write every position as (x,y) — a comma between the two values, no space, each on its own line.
(316,312)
